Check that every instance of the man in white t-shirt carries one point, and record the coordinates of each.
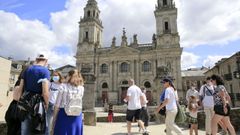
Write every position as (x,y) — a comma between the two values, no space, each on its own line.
(134,98)
(206,95)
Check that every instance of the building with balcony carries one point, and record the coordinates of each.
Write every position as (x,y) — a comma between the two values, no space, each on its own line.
(229,70)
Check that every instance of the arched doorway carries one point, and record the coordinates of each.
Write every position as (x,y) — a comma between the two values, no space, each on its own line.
(104,93)
(147,85)
(124,88)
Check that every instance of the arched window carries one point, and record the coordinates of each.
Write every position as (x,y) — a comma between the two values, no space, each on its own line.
(124,82)
(147,84)
(97,15)
(146,67)
(104,68)
(94,13)
(89,13)
(164,2)
(104,85)
(86,35)
(166,25)
(124,67)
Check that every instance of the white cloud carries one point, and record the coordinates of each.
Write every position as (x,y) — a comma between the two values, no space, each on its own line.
(208,22)
(189,60)
(21,39)
(211,60)
(65,23)
(199,22)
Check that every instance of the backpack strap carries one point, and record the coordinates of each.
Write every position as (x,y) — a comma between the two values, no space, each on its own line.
(209,91)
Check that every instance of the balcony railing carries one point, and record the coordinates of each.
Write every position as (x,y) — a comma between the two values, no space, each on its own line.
(236,74)
(228,77)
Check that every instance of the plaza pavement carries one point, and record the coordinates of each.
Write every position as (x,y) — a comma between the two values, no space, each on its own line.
(121,129)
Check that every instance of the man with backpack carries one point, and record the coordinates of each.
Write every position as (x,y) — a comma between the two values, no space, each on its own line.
(35,80)
(206,96)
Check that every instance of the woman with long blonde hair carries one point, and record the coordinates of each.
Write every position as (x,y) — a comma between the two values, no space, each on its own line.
(68,107)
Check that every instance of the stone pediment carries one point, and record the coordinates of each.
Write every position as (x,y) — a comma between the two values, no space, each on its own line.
(124,50)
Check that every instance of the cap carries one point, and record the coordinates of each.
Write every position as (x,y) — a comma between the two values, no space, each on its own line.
(166,80)
(41,57)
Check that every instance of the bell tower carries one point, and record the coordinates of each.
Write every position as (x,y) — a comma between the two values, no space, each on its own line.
(166,24)
(90,26)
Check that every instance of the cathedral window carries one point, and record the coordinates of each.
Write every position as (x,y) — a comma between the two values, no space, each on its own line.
(104,85)
(94,13)
(147,84)
(164,2)
(166,25)
(104,68)
(125,82)
(88,13)
(146,67)
(86,35)
(124,67)
(97,15)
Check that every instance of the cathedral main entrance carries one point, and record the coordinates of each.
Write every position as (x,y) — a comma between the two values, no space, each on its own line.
(123,93)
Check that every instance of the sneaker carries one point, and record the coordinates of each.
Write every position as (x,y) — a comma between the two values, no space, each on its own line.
(146,131)
(222,133)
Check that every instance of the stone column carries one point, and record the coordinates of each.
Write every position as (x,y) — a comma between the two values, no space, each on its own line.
(89,100)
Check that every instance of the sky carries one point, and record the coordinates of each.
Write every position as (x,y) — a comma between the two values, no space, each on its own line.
(209,30)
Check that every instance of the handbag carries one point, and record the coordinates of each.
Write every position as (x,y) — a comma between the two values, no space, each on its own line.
(181,115)
(162,111)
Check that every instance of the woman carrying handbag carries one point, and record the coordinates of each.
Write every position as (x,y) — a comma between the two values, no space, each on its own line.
(170,102)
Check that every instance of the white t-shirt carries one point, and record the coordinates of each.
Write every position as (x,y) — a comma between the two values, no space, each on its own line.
(53,91)
(208,101)
(171,95)
(144,104)
(134,93)
(63,97)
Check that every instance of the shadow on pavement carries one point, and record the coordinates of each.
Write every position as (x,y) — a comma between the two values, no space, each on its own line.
(134,133)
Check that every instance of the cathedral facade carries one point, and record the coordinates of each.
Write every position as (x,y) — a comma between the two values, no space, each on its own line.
(146,63)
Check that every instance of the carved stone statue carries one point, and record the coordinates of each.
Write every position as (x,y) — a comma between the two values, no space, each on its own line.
(124,38)
(154,38)
(135,41)
(113,42)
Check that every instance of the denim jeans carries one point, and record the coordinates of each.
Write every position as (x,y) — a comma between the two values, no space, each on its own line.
(49,117)
(26,126)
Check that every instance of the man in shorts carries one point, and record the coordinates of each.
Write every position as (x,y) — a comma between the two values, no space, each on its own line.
(134,98)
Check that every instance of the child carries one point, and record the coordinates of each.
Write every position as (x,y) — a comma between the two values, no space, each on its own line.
(110,113)
(192,117)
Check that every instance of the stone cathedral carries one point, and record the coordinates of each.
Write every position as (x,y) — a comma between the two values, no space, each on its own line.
(146,63)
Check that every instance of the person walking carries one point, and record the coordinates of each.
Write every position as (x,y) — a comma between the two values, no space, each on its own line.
(170,102)
(206,96)
(221,107)
(35,81)
(67,118)
(134,98)
(55,86)
(144,116)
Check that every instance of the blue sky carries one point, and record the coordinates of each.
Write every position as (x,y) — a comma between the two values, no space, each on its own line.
(33,9)
(208,31)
